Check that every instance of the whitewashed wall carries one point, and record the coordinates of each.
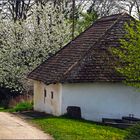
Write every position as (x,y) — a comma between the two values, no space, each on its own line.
(47,104)
(100,100)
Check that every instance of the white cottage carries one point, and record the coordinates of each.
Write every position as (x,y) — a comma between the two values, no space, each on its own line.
(83,74)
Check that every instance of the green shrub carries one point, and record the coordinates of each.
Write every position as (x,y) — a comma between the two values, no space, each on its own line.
(23,106)
(133,133)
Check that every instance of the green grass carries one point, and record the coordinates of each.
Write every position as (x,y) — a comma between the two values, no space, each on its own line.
(62,128)
(23,106)
(2,109)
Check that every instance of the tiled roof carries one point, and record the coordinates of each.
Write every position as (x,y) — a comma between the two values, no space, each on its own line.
(86,58)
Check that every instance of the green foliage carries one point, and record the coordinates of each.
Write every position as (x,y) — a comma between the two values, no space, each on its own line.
(129,54)
(23,106)
(2,109)
(62,128)
(133,133)
(85,20)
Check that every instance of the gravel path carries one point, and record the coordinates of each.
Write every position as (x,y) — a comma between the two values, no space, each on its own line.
(13,127)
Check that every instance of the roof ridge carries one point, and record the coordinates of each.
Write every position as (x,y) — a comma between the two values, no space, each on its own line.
(114,15)
(88,51)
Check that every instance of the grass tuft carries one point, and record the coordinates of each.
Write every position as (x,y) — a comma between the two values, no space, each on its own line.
(23,106)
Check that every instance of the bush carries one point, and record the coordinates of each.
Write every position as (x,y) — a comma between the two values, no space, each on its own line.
(133,133)
(5,103)
(23,106)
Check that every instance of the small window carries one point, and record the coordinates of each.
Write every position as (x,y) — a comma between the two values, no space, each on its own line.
(45,93)
(51,94)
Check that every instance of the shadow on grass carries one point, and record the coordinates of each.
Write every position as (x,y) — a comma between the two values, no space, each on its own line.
(34,114)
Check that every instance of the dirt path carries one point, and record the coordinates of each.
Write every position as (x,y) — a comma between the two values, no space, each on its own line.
(13,127)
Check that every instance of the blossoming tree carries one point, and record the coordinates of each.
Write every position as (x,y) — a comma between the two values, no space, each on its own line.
(25,44)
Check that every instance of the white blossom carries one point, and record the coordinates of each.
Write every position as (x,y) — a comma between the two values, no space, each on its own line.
(25,44)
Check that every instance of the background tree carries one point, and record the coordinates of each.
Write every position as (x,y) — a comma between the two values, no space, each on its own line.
(26,44)
(22,9)
(84,21)
(130,6)
(16,9)
(89,11)
(104,7)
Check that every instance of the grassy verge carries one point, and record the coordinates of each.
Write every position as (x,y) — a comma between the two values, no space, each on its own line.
(23,106)
(2,109)
(62,128)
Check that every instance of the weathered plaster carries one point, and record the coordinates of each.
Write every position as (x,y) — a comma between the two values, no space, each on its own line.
(47,104)
(97,100)
(100,100)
